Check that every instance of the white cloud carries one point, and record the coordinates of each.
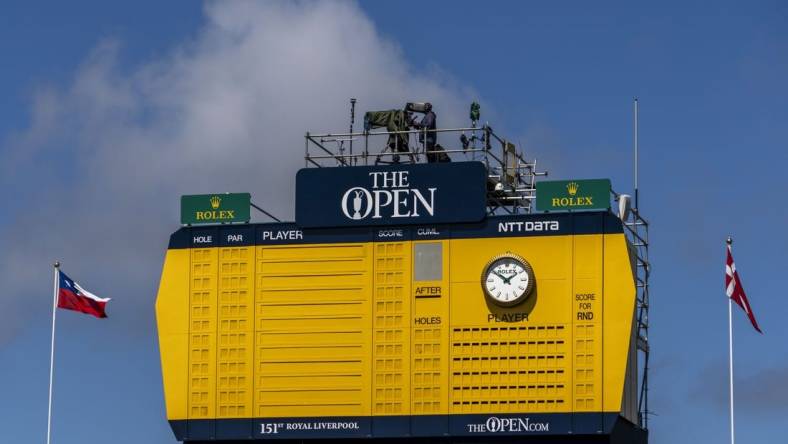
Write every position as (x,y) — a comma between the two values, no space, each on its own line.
(98,173)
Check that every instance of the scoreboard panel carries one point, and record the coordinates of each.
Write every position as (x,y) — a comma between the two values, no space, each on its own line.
(269,331)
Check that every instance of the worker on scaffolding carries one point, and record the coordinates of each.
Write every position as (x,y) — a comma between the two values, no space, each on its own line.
(398,121)
(428,124)
(428,134)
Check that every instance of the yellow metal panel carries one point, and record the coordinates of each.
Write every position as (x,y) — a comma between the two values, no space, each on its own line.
(549,303)
(202,333)
(618,309)
(587,301)
(340,330)
(629,403)
(391,329)
(312,330)
(487,377)
(430,341)
(235,351)
(174,349)
(516,359)
(550,256)
(171,303)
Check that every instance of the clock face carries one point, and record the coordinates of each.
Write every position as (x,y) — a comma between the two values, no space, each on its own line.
(507,280)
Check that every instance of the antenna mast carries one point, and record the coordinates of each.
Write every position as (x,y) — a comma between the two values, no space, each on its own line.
(636,153)
(352,121)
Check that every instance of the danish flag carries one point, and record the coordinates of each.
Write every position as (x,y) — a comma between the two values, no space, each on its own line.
(735,291)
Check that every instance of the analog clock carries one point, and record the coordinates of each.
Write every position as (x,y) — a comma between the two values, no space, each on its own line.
(507,280)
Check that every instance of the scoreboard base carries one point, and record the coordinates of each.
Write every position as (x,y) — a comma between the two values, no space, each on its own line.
(599,428)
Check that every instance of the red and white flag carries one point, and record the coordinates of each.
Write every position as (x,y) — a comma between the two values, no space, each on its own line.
(73,297)
(735,291)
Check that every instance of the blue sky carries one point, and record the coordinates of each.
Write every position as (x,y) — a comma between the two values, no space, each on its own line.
(111,111)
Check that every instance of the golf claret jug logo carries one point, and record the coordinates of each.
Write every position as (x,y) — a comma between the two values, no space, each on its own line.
(389,195)
(508,425)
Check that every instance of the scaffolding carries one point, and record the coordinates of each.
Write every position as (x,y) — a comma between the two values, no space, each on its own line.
(511,179)
(636,228)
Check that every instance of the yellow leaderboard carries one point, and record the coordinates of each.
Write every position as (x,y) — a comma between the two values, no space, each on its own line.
(514,326)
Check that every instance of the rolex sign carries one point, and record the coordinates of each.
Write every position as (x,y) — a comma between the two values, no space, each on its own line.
(567,195)
(221,208)
(391,195)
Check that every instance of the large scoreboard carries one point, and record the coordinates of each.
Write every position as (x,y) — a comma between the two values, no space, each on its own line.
(512,327)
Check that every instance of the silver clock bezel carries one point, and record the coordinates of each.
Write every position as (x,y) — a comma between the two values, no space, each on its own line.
(528,289)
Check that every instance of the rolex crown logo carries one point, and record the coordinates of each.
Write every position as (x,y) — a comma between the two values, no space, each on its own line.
(572,188)
(215,202)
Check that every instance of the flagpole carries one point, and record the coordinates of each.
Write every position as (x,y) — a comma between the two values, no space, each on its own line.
(52,349)
(729,241)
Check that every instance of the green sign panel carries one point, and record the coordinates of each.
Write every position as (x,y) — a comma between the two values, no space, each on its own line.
(215,208)
(563,195)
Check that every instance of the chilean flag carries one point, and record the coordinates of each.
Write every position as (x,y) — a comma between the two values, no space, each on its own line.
(73,297)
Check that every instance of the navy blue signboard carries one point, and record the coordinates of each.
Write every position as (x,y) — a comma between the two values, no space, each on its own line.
(391,195)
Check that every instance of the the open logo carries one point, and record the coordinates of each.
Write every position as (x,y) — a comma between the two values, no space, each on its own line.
(390,196)
(361,199)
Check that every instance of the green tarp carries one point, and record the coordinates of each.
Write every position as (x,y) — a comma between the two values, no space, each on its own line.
(392,120)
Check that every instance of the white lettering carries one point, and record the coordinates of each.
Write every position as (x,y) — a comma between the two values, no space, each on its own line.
(321,426)
(374,178)
(270,428)
(389,196)
(476,428)
(389,179)
(378,205)
(403,179)
(429,207)
(283,235)
(390,233)
(202,239)
(529,225)
(401,198)
(495,425)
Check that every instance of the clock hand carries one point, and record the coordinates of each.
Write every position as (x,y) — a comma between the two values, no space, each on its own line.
(505,281)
